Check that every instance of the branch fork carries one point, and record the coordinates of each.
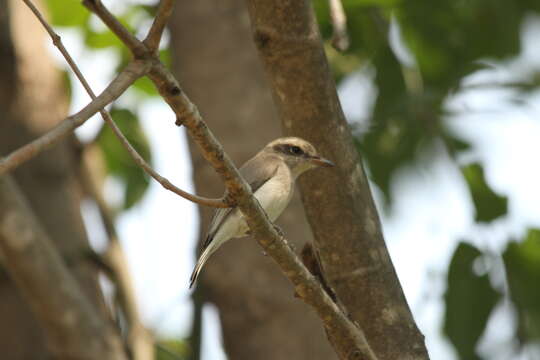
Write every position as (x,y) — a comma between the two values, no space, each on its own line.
(146,62)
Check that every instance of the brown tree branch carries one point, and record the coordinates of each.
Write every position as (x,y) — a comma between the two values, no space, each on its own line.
(165,10)
(160,21)
(133,44)
(72,327)
(217,203)
(348,234)
(139,340)
(340,37)
(351,343)
(132,72)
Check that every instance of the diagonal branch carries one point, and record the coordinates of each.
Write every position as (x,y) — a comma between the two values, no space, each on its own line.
(340,37)
(139,160)
(138,49)
(132,72)
(139,340)
(352,342)
(160,21)
(348,234)
(68,318)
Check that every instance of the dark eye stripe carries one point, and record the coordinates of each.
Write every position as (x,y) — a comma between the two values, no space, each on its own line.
(289,149)
(295,150)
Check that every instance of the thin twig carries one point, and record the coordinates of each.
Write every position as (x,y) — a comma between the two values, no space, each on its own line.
(160,21)
(306,285)
(132,72)
(340,37)
(139,160)
(216,203)
(114,263)
(138,49)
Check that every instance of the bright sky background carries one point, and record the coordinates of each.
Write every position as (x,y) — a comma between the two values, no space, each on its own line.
(432,208)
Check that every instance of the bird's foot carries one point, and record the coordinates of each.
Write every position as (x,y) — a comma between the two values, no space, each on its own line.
(282,235)
(291,245)
(279,231)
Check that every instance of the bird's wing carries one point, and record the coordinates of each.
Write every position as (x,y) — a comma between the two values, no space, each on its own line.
(256,176)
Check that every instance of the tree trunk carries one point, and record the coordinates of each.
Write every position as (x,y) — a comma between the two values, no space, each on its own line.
(32,100)
(216,63)
(348,234)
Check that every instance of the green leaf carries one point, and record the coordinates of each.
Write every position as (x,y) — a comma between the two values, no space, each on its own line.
(469,301)
(66,80)
(172,350)
(454,144)
(402,122)
(100,40)
(488,204)
(522,264)
(445,39)
(165,57)
(118,161)
(67,13)
(135,188)
(145,86)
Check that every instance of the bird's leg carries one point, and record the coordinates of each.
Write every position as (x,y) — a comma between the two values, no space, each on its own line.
(282,235)
(279,231)
(291,245)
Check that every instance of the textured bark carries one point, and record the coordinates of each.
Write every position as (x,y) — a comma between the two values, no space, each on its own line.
(72,329)
(348,235)
(217,65)
(32,100)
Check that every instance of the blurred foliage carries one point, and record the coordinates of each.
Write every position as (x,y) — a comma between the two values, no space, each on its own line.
(469,301)
(67,13)
(144,86)
(447,39)
(172,350)
(438,44)
(522,264)
(119,162)
(96,36)
(489,206)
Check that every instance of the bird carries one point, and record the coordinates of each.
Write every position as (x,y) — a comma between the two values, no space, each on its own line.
(271,175)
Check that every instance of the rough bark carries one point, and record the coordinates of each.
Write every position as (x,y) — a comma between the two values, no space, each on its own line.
(217,65)
(32,99)
(72,328)
(348,234)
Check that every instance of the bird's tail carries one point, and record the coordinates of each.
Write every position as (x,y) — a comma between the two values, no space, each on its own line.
(200,263)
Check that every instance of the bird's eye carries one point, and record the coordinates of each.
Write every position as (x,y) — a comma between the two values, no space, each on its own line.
(295,150)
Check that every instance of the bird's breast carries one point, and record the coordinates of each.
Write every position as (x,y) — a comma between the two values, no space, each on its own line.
(274,196)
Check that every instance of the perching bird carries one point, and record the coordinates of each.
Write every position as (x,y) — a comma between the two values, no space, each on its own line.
(271,174)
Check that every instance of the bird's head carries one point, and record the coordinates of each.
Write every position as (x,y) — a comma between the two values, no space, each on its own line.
(299,155)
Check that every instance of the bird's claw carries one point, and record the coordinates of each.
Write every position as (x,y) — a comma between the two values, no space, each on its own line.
(282,235)
(279,231)
(291,245)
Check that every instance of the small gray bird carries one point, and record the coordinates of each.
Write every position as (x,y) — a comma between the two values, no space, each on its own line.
(271,174)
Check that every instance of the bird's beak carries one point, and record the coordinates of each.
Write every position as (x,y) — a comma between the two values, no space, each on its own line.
(319,161)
